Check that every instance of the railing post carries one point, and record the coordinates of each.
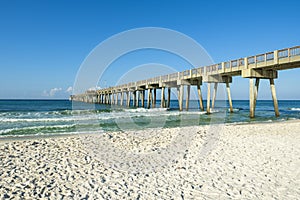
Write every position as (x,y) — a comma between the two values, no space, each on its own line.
(265,59)
(223,67)
(246,63)
(275,57)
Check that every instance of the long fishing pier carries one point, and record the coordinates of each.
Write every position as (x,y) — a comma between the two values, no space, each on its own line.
(262,66)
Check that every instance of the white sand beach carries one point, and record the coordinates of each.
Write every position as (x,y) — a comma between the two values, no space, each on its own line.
(246,161)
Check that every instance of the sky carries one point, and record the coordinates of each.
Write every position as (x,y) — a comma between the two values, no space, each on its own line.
(44,43)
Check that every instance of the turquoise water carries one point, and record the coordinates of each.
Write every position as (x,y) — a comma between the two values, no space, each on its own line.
(48,117)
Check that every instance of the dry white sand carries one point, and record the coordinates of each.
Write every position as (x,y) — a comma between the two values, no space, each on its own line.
(253,161)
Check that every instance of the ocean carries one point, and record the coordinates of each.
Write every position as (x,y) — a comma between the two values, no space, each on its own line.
(54,117)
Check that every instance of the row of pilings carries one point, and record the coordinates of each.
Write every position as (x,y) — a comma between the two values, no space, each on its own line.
(138,97)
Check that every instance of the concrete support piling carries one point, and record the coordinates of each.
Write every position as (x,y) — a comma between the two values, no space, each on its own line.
(180,97)
(139,97)
(208,99)
(214,96)
(187,101)
(274,97)
(256,91)
(134,98)
(143,98)
(200,97)
(122,98)
(229,97)
(162,102)
(149,98)
(169,97)
(154,98)
(127,98)
(117,98)
(112,98)
(251,98)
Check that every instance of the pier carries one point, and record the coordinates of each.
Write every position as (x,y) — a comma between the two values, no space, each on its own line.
(254,68)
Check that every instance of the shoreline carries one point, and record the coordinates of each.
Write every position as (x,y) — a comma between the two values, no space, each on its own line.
(53,135)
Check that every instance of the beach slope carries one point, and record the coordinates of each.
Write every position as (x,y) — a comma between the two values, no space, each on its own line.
(246,161)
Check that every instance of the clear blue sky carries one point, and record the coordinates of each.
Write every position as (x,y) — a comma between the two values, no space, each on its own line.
(43,43)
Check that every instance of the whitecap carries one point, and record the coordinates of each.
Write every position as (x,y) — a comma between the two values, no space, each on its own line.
(4,131)
(234,109)
(146,110)
(295,109)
